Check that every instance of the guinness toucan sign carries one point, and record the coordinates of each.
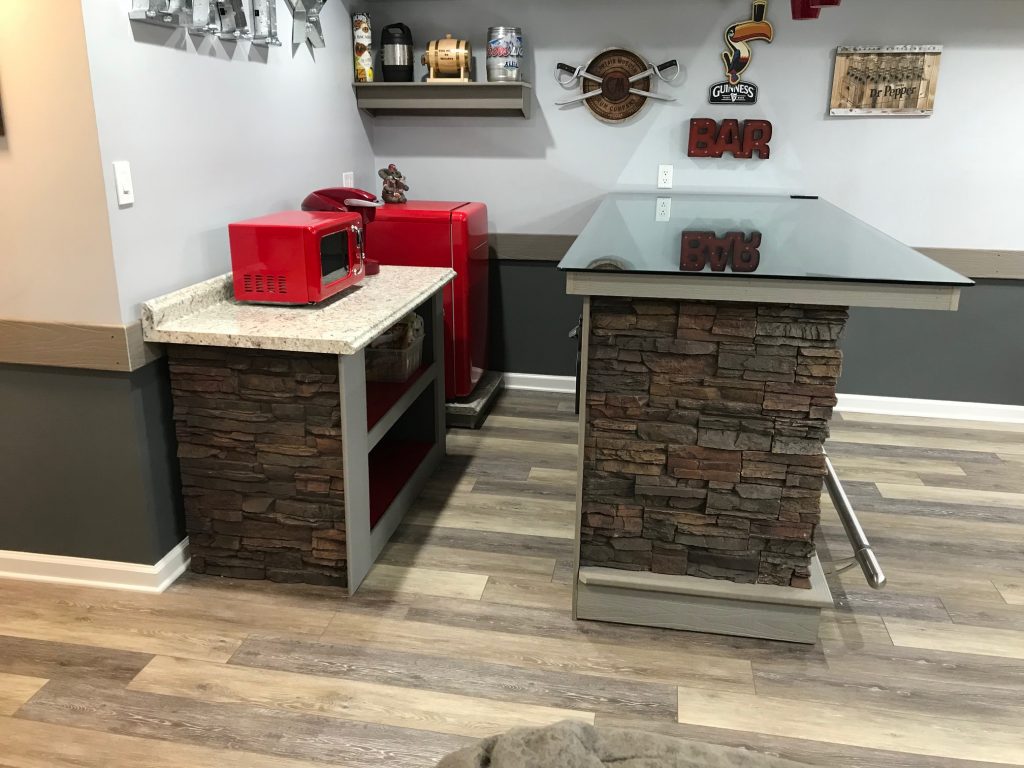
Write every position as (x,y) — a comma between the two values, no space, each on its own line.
(737,56)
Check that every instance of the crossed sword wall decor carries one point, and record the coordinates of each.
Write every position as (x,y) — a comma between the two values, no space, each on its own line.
(577,74)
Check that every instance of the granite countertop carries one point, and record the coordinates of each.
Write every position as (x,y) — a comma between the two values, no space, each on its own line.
(208,314)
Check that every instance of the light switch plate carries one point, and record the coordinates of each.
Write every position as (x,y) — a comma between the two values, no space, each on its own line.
(348,179)
(663,209)
(123,183)
(665,176)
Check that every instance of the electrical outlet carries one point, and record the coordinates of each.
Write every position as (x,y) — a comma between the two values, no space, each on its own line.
(663,209)
(348,179)
(665,177)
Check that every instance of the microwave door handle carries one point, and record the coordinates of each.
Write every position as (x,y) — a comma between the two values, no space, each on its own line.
(359,248)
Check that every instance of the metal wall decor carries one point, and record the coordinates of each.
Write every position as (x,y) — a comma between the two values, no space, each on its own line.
(226,19)
(166,13)
(737,251)
(205,18)
(306,22)
(616,83)
(737,56)
(885,80)
(264,22)
(233,21)
(709,139)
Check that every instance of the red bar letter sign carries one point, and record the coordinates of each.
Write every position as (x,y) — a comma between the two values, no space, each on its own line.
(708,139)
(699,249)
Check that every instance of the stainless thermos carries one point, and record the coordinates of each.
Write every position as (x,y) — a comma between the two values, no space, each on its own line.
(396,51)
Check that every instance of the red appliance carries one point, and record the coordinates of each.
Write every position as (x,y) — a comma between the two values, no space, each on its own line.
(296,257)
(427,233)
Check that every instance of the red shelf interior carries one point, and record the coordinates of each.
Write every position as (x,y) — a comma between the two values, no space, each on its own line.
(392,463)
(381,395)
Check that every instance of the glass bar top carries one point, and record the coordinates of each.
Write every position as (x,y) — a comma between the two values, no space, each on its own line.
(752,236)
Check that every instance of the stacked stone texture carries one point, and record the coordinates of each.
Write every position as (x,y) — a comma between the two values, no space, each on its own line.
(705,431)
(259,445)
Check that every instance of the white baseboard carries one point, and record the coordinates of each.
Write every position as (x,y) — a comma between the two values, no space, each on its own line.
(930,409)
(108,574)
(538,382)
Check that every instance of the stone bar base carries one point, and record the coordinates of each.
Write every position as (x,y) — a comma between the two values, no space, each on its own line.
(705,427)
(259,444)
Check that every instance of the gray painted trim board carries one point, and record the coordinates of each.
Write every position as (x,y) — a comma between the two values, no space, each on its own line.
(984,264)
(121,347)
(580,452)
(776,291)
(524,247)
(704,605)
(75,345)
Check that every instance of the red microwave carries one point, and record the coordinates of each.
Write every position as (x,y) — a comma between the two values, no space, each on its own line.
(296,257)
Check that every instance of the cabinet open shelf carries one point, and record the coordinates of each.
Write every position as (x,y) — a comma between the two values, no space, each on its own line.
(392,463)
(440,99)
(386,401)
(394,439)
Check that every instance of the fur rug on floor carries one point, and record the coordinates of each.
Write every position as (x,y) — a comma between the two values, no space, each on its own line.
(572,744)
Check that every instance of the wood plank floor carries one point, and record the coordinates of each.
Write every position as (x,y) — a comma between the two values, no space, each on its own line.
(463,629)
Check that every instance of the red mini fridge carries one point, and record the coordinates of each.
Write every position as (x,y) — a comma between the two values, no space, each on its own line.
(429,233)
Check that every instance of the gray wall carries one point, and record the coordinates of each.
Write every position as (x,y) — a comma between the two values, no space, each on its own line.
(909,177)
(974,355)
(87,463)
(216,131)
(530,318)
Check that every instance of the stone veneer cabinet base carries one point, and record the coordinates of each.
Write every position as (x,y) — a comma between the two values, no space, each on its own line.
(293,467)
(705,425)
(702,464)
(260,449)
(704,605)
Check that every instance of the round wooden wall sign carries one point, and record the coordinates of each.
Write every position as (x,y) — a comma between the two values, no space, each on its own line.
(615,66)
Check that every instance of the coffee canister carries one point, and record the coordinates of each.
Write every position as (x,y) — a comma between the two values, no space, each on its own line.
(504,54)
(362,47)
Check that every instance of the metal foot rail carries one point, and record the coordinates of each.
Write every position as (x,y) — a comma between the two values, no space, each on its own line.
(862,552)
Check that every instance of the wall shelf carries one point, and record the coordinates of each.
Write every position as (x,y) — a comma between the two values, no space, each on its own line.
(445,99)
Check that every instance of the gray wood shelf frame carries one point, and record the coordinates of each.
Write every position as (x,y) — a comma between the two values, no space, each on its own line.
(363,544)
(445,99)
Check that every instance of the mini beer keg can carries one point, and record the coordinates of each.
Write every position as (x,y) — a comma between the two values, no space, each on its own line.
(362,47)
(504,54)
